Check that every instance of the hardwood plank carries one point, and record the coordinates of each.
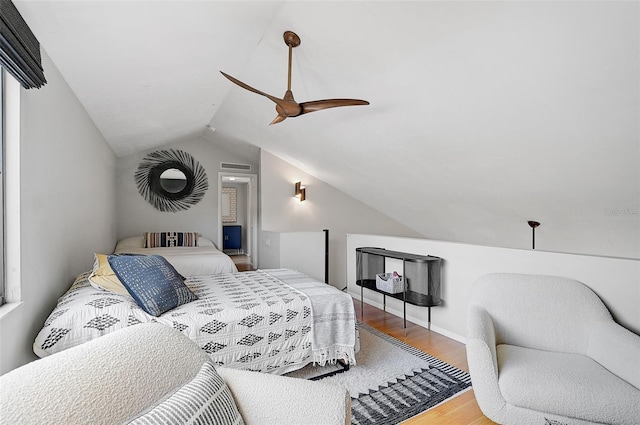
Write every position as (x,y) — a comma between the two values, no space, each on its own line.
(242,262)
(460,410)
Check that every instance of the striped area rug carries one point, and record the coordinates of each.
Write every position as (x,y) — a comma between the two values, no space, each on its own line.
(392,381)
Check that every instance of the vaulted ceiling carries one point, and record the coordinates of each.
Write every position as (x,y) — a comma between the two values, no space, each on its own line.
(483,115)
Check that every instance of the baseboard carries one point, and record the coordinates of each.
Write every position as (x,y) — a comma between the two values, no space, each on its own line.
(413,319)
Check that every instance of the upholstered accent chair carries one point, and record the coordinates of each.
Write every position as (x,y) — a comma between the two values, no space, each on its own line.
(545,350)
(152,374)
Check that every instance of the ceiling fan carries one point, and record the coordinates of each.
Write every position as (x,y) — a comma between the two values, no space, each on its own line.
(287,106)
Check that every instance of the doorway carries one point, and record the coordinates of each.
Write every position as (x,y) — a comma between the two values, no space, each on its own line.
(238,215)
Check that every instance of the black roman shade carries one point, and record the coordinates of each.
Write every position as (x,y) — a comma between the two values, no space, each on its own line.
(19,48)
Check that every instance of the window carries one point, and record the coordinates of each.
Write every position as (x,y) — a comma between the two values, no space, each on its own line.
(19,48)
(20,58)
(10,101)
(2,246)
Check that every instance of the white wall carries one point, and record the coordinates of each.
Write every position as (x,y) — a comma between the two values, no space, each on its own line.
(325,208)
(270,254)
(67,207)
(616,281)
(304,252)
(135,215)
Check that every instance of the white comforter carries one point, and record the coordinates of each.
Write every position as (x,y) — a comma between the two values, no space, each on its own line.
(189,261)
(250,320)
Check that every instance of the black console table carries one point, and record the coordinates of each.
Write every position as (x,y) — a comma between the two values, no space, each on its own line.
(420,274)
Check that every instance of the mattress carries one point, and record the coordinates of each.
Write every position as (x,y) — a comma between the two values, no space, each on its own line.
(271,321)
(188,261)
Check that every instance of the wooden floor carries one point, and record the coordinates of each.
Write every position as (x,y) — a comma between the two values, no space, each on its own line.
(242,262)
(460,410)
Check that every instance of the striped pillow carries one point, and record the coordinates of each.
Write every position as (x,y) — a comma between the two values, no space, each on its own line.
(205,400)
(167,239)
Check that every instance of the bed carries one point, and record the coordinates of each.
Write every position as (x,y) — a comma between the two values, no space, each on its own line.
(202,259)
(271,321)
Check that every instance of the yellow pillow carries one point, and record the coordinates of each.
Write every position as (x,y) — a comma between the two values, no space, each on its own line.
(102,277)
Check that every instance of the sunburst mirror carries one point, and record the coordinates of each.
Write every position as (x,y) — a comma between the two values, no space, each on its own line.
(171,180)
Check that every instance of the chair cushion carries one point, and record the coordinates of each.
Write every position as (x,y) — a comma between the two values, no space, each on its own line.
(570,385)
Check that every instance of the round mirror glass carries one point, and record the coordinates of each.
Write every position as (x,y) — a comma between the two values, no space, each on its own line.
(173,180)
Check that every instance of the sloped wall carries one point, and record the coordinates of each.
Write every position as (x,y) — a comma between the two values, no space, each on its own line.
(325,208)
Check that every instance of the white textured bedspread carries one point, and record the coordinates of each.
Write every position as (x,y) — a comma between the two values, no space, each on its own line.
(271,321)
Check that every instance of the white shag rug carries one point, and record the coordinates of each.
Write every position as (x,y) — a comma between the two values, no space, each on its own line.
(392,381)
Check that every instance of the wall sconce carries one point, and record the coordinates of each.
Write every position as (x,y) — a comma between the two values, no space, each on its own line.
(533,225)
(300,191)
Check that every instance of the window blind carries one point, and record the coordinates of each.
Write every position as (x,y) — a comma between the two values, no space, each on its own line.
(19,48)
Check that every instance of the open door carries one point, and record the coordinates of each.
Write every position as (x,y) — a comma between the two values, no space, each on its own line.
(238,207)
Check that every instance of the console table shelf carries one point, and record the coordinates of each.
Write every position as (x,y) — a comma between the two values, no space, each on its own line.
(412,297)
(420,274)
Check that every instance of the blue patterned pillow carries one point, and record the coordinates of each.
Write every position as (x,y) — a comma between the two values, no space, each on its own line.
(152,282)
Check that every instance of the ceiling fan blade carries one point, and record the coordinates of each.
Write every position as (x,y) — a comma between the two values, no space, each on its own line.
(318,105)
(277,119)
(274,99)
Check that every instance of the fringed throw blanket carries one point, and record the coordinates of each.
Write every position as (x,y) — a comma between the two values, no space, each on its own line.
(334,319)
(250,320)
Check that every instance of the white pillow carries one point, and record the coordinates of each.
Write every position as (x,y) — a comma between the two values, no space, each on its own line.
(138,242)
(202,241)
(102,276)
(133,242)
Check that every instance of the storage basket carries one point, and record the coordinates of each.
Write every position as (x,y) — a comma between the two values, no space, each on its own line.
(388,283)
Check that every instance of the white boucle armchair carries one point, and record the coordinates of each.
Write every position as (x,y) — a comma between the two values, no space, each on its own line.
(114,378)
(545,350)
